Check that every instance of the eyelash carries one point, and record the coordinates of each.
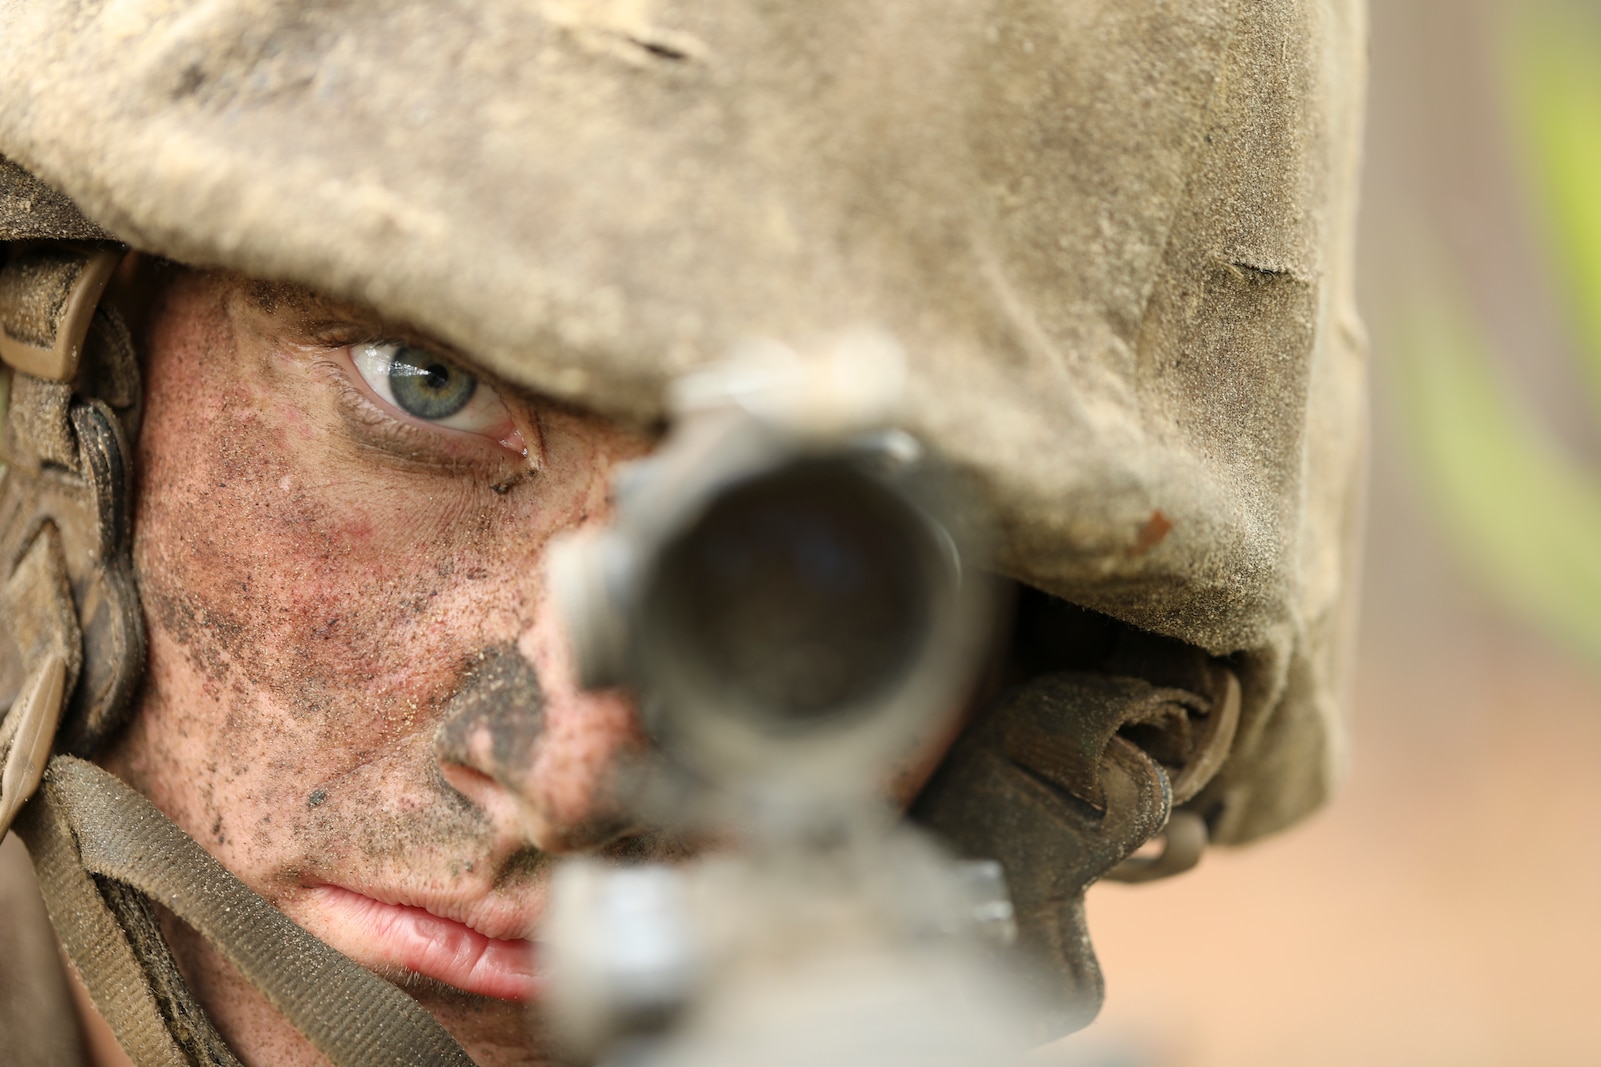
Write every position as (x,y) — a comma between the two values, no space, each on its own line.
(395,435)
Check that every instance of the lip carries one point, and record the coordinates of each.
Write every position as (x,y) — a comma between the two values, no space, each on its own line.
(387,937)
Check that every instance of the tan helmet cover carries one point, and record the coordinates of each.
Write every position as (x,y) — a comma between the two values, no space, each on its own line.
(1114,237)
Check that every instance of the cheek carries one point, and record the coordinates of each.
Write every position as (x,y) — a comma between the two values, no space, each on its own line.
(299,577)
(271,563)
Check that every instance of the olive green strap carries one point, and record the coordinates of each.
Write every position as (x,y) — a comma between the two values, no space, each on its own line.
(93,939)
(353,1017)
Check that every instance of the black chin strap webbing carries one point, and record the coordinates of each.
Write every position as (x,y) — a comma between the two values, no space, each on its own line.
(102,853)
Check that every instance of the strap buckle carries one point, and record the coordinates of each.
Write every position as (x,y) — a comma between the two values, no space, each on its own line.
(48,296)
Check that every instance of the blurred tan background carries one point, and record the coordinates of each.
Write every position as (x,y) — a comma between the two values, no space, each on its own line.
(1446,909)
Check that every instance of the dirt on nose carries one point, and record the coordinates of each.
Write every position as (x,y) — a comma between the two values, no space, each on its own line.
(500,697)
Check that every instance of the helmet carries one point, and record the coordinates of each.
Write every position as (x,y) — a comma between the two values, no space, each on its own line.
(1114,239)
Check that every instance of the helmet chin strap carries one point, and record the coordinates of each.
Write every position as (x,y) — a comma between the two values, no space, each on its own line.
(1044,783)
(66,576)
(104,855)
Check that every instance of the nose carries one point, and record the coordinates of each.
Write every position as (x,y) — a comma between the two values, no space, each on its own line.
(540,758)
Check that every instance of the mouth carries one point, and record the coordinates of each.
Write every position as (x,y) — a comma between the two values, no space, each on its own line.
(390,938)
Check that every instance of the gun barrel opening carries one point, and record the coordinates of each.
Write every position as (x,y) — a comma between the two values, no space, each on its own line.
(800,595)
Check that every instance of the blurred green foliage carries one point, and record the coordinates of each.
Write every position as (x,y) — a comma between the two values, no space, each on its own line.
(1554,69)
(1527,516)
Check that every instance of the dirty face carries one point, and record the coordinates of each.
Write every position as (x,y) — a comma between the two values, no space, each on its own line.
(357,698)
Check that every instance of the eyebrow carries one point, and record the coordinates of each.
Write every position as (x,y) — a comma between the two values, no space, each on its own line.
(270,296)
(310,312)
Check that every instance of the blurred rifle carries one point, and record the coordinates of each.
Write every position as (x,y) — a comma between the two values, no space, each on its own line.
(789,589)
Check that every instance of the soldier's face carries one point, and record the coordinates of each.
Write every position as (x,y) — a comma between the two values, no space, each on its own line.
(357,696)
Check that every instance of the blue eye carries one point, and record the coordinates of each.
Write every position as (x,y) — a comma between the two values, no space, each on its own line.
(427,386)
(424,385)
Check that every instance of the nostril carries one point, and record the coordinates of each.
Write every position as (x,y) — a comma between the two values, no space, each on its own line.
(498,803)
(471,783)
(600,832)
